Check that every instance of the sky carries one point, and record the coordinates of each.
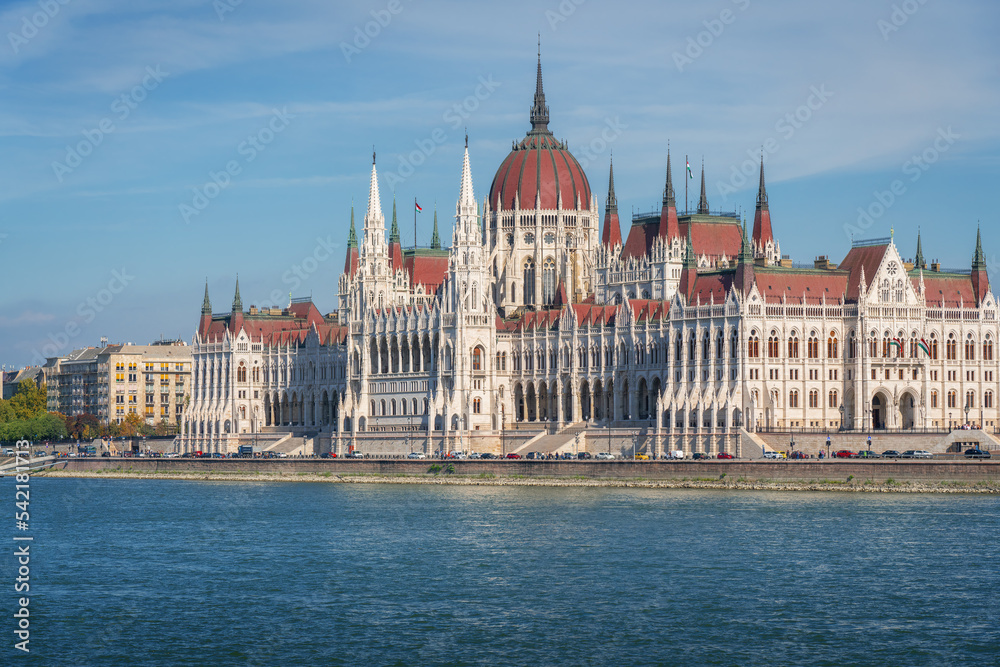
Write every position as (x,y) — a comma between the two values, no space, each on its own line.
(149,147)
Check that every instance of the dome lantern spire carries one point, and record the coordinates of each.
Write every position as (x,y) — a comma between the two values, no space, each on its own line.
(539,111)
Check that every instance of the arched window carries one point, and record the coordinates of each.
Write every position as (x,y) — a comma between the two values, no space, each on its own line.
(372,412)
(719,345)
(831,346)
(705,349)
(952,399)
(793,398)
(382,405)
(753,346)
(475,296)
(987,350)
(934,347)
(951,348)
(477,359)
(970,399)
(833,399)
(241,373)
(476,406)
(549,281)
(772,346)
(813,398)
(793,347)
(392,407)
(988,399)
(934,398)
(970,348)
(813,346)
(529,281)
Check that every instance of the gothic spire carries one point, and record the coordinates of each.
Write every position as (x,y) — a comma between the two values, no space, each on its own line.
(703,202)
(394,233)
(979,259)
(237,301)
(435,238)
(668,189)
(466,196)
(761,192)
(689,257)
(612,203)
(374,201)
(918,261)
(206,305)
(539,112)
(746,252)
(352,236)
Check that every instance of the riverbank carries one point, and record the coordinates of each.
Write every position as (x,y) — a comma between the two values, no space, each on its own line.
(489,479)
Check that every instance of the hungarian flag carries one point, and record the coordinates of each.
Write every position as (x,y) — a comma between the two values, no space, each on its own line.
(896,342)
(690,173)
(923,346)
(417,206)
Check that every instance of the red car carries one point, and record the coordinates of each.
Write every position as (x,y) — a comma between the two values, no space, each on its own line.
(845,454)
(512,455)
(724,455)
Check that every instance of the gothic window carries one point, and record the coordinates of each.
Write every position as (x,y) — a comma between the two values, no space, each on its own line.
(951,348)
(970,349)
(833,398)
(988,399)
(970,399)
(677,349)
(529,281)
(753,346)
(550,238)
(831,346)
(813,347)
(793,398)
(477,359)
(793,346)
(772,346)
(529,238)
(952,399)
(719,345)
(987,350)
(475,296)
(549,282)
(705,346)
(691,347)
(241,373)
(934,399)
(734,345)
(476,406)
(934,347)
(813,398)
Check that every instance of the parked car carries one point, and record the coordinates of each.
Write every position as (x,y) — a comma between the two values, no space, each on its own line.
(416,455)
(534,455)
(977,454)
(604,456)
(488,455)
(697,456)
(845,454)
(512,455)
(890,454)
(474,455)
(922,454)
(770,455)
(865,454)
(584,455)
(639,456)
(727,455)
(355,455)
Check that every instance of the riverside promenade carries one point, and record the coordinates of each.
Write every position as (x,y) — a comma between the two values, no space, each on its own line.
(955,472)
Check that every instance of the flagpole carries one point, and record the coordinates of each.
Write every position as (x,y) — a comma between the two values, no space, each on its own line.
(686,177)
(414,227)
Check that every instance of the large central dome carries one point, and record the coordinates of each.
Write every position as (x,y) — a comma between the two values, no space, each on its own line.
(539,166)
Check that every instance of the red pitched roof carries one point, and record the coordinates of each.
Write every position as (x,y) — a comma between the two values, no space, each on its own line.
(950,288)
(801,286)
(867,257)
(711,287)
(427,270)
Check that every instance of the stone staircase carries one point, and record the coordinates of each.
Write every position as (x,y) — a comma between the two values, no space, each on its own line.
(560,441)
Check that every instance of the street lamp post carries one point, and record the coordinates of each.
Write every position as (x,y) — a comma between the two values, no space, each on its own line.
(791,446)
(828,444)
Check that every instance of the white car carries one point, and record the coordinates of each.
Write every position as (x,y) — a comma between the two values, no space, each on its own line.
(772,455)
(604,456)
(922,454)
(416,455)
(474,455)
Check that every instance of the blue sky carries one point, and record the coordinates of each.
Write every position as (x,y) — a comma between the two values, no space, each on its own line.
(291,96)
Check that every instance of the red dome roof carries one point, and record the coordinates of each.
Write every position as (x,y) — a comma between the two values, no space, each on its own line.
(539,165)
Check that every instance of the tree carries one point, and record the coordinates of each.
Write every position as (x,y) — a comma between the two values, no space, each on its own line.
(29,401)
(132,424)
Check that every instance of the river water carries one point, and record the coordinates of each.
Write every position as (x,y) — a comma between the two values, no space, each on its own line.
(154,572)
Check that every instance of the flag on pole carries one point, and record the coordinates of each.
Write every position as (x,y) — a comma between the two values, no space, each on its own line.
(923,346)
(417,206)
(690,174)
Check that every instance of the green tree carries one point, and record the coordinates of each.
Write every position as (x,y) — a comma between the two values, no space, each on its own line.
(132,424)
(29,401)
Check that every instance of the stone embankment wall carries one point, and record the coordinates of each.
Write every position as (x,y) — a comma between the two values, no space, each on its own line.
(808,470)
(936,443)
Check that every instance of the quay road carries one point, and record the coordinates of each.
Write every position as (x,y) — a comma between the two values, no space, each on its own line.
(750,470)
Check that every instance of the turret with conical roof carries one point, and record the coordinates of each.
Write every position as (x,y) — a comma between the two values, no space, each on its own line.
(206,305)
(612,234)
(206,314)
(237,301)
(703,201)
(351,259)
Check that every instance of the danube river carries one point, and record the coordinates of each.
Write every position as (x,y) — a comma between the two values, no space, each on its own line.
(153,572)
